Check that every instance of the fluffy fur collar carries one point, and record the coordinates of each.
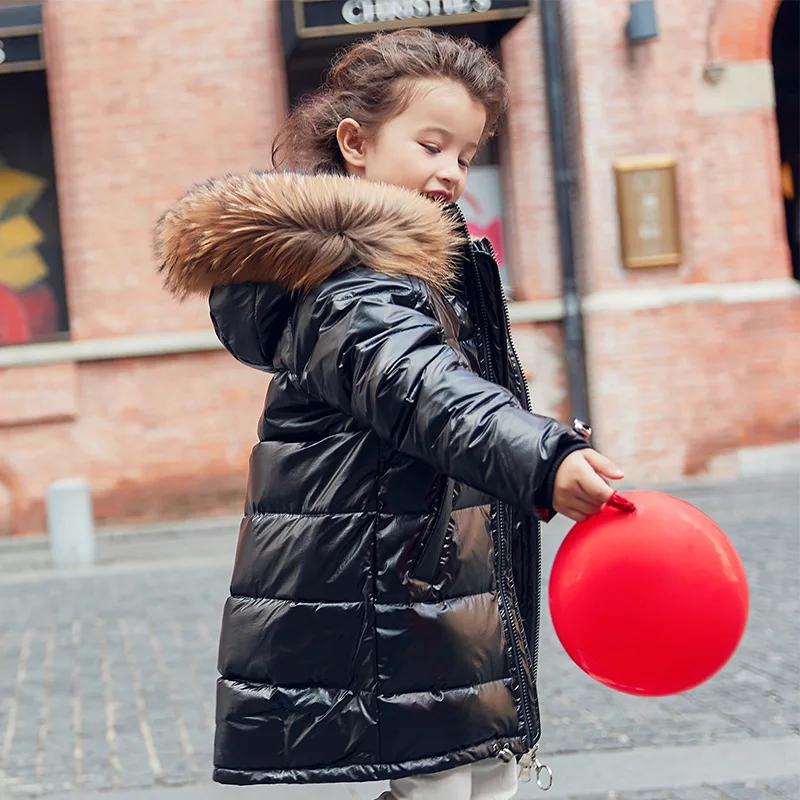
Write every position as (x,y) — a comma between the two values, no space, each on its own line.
(296,230)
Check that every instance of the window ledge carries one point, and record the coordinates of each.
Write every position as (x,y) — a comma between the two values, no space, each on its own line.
(136,346)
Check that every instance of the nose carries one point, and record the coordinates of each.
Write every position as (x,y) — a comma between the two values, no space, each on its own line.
(449,173)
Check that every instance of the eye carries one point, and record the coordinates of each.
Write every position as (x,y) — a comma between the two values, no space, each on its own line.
(431,148)
(464,164)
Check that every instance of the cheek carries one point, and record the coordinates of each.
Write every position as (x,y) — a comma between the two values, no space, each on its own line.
(389,161)
(409,166)
(401,163)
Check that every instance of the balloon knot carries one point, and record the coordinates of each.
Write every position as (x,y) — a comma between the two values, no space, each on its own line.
(621,503)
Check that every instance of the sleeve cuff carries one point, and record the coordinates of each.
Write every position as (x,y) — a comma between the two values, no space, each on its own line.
(543,500)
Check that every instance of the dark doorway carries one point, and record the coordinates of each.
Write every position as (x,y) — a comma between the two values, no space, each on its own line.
(786,71)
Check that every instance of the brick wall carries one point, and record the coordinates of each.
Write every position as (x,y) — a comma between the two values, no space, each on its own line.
(708,378)
(652,99)
(156,438)
(149,98)
(679,390)
(672,390)
(532,218)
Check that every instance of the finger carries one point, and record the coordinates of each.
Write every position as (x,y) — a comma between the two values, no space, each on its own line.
(595,489)
(570,510)
(585,506)
(604,466)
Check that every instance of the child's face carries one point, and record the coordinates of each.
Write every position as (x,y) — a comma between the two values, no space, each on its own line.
(427,148)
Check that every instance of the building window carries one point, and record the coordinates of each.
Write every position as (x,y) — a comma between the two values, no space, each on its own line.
(32,297)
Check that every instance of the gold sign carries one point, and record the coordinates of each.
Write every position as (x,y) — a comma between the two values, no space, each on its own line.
(647,205)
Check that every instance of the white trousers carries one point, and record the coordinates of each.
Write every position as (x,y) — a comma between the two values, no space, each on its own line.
(491,779)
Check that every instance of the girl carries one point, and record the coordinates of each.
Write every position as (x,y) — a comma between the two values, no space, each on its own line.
(384,611)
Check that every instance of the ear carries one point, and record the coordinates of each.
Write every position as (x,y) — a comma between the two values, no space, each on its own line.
(351,140)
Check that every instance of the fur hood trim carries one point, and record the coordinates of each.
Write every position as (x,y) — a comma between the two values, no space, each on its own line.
(297,230)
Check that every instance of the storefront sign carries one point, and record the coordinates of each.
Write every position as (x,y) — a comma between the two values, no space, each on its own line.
(21,45)
(358,11)
(647,204)
(323,18)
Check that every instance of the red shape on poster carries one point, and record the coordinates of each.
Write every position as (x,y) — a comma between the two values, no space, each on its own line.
(42,310)
(493,231)
(14,325)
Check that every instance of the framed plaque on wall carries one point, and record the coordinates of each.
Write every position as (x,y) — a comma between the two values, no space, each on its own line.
(647,205)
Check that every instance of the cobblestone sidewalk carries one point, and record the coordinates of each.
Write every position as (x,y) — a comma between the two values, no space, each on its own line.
(107,678)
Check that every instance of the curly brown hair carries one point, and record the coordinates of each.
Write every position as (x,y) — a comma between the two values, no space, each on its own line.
(373,81)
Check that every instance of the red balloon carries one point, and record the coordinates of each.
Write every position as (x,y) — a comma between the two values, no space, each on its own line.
(649,596)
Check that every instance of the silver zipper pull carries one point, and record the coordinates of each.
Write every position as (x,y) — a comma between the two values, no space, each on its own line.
(579,426)
(506,754)
(530,761)
(525,765)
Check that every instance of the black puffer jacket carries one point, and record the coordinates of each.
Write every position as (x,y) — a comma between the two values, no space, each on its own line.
(376,627)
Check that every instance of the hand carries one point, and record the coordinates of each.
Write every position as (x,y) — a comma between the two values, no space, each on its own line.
(579,489)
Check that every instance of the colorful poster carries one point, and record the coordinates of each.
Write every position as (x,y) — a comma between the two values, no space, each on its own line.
(32,302)
(482,204)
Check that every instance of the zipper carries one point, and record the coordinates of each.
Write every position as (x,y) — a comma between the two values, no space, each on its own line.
(529,759)
(502,576)
(529,406)
(534,656)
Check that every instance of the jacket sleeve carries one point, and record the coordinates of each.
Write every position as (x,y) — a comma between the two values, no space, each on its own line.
(369,345)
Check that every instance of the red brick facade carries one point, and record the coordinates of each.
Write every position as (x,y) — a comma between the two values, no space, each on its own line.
(148,98)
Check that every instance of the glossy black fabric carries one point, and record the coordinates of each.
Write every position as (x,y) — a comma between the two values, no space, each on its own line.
(338,661)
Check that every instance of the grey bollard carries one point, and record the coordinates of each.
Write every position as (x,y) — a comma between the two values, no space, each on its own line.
(70,523)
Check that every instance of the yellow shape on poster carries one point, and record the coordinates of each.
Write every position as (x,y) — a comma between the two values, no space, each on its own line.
(18,234)
(22,270)
(19,192)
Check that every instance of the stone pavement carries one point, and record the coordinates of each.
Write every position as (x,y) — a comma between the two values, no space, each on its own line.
(107,677)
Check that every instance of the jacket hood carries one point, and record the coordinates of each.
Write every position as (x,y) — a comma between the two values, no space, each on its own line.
(296,230)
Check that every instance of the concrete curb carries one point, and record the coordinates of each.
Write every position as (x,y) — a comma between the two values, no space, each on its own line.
(124,543)
(172,538)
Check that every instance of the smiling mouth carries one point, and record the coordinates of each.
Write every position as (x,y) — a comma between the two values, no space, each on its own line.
(446,196)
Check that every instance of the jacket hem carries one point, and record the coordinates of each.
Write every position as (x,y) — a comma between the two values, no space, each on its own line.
(360,773)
